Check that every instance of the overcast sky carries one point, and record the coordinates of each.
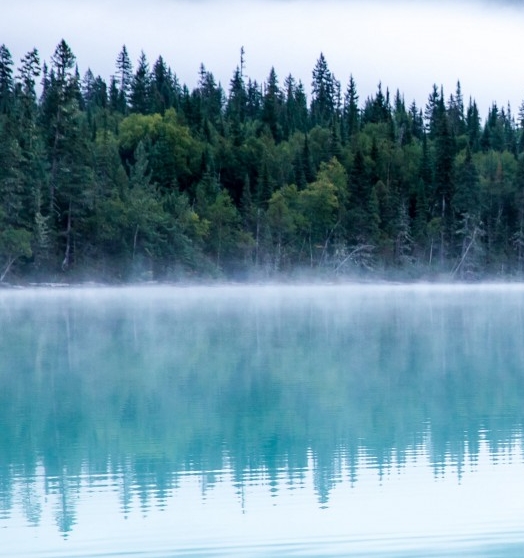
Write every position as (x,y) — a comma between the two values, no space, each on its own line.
(405,44)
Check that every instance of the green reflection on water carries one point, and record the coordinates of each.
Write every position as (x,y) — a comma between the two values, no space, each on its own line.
(143,385)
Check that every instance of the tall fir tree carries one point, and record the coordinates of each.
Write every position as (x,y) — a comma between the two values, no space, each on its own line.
(124,79)
(139,97)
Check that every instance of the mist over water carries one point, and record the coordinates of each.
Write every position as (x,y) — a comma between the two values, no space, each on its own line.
(216,418)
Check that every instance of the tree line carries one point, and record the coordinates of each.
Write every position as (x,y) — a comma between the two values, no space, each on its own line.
(143,178)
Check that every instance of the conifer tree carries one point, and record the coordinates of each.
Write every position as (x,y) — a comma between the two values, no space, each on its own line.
(6,80)
(253,100)
(26,98)
(124,79)
(416,121)
(161,96)
(139,97)
(431,112)
(456,112)
(324,93)
(237,107)
(272,106)
(351,111)
(473,129)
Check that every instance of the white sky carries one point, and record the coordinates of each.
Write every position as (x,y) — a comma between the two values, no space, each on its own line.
(405,44)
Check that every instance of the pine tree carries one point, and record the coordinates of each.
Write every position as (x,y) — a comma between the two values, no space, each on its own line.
(351,112)
(253,100)
(324,94)
(237,107)
(26,98)
(124,79)
(6,80)
(466,198)
(456,112)
(58,108)
(273,106)
(211,98)
(431,113)
(290,104)
(443,175)
(473,129)
(401,121)
(377,110)
(161,96)
(416,121)
(139,97)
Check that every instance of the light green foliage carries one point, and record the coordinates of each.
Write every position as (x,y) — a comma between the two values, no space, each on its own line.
(226,238)
(14,244)
(175,154)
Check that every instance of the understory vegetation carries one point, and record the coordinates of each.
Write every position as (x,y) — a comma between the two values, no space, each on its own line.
(142,178)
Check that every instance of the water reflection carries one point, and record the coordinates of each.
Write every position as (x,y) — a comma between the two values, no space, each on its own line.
(142,392)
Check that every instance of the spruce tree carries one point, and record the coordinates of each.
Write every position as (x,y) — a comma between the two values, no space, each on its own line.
(351,112)
(139,97)
(273,106)
(324,93)
(6,80)
(124,79)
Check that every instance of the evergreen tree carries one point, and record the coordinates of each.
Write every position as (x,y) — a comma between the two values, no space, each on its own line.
(466,197)
(70,182)
(324,94)
(401,121)
(377,109)
(124,79)
(416,121)
(521,128)
(294,115)
(211,98)
(161,96)
(443,176)
(58,110)
(6,80)
(236,108)
(456,112)
(27,99)
(473,129)
(432,112)
(253,100)
(139,97)
(351,112)
(273,106)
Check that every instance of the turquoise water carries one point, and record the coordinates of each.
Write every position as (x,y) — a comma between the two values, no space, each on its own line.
(262,421)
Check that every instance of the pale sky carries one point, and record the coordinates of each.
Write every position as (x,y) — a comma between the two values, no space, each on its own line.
(405,44)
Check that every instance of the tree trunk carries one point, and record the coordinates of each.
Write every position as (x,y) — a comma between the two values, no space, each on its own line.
(67,255)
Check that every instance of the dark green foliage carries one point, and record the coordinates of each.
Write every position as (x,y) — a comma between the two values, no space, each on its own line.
(143,177)
(139,97)
(377,109)
(325,90)
(123,80)
(473,129)
(6,80)
(272,106)
(351,112)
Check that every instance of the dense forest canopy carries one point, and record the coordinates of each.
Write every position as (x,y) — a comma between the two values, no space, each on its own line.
(143,178)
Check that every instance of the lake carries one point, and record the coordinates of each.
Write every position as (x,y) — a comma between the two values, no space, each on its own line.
(334,420)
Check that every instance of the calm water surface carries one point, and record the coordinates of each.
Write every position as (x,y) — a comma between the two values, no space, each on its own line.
(262,421)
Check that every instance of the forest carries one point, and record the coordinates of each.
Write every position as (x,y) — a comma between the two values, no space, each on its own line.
(141,178)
